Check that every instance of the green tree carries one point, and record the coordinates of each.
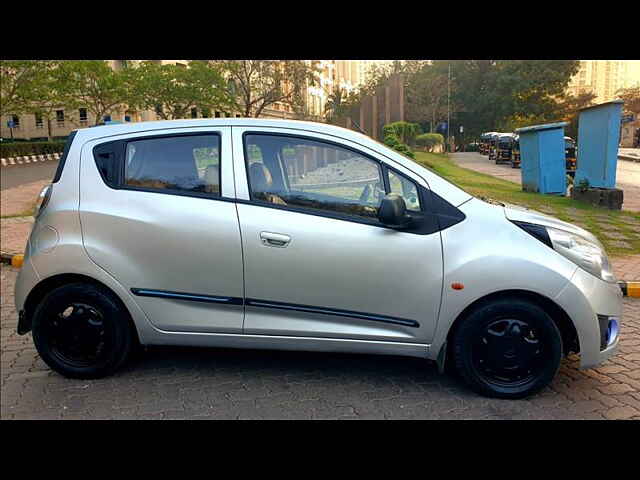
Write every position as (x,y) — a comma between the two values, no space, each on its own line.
(631,97)
(333,107)
(339,103)
(46,93)
(173,90)
(18,78)
(569,109)
(426,95)
(258,84)
(491,92)
(94,85)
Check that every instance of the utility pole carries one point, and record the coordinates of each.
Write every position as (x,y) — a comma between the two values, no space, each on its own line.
(448,106)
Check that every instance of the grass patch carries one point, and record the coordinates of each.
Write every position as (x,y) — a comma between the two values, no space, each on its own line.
(598,221)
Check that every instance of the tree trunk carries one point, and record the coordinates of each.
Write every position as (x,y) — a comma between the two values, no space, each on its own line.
(48,129)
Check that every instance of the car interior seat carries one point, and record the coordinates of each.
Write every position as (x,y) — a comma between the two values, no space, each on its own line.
(212,179)
(262,183)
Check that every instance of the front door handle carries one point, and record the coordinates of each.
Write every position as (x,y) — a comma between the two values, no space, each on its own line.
(274,239)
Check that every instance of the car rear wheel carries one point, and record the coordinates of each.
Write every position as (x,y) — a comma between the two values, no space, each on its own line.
(82,331)
(508,348)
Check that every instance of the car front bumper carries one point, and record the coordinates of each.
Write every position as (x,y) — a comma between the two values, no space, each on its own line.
(593,305)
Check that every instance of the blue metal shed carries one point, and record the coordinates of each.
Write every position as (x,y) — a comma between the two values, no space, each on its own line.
(542,158)
(598,138)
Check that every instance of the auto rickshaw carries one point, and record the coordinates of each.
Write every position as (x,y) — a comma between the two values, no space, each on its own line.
(493,145)
(515,152)
(504,148)
(570,155)
(484,144)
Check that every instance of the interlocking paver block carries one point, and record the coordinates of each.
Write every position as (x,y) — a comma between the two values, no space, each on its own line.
(181,383)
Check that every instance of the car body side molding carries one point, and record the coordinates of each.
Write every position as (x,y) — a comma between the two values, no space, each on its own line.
(253,302)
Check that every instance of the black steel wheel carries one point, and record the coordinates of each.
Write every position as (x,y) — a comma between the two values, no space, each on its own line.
(82,331)
(508,348)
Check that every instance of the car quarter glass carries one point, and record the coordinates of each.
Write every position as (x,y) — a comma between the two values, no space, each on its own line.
(406,188)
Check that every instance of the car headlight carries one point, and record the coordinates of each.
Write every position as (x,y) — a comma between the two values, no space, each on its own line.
(586,254)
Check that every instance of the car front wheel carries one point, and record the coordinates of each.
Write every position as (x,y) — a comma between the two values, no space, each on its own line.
(507,348)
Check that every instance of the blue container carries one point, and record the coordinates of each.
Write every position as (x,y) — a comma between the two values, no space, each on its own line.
(542,158)
(598,139)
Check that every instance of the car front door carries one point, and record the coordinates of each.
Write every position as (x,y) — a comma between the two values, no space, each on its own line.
(158,214)
(317,261)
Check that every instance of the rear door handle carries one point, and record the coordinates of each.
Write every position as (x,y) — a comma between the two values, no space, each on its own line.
(274,239)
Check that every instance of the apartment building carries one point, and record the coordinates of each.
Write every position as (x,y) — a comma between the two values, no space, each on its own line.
(346,74)
(604,78)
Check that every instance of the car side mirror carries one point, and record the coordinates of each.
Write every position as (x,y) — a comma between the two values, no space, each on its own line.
(393,211)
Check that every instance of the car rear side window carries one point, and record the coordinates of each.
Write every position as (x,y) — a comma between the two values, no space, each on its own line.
(189,163)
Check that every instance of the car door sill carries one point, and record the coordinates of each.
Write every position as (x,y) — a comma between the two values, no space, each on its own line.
(280,342)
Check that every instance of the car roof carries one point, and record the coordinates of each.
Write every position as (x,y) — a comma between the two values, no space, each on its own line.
(135,127)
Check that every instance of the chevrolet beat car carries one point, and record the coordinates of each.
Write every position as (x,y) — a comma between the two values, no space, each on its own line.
(277,234)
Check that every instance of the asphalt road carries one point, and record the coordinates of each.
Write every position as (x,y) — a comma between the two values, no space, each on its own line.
(16,175)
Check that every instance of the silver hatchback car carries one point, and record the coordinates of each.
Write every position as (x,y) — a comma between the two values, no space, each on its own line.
(292,235)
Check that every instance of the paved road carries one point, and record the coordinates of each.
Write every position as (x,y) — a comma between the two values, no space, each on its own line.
(172,383)
(627,175)
(16,175)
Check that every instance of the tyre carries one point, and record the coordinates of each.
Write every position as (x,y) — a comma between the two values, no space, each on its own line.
(508,348)
(82,331)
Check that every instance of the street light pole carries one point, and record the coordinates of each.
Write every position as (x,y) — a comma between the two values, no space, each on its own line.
(448,107)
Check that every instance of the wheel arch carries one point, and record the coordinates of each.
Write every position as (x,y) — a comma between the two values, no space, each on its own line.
(561,319)
(48,284)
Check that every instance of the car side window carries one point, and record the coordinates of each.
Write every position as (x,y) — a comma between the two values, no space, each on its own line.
(406,188)
(189,163)
(299,172)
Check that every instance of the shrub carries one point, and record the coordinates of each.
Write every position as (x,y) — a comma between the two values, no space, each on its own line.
(405,131)
(21,149)
(391,140)
(404,149)
(429,140)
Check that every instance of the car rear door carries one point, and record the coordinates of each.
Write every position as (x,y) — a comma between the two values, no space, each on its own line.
(157,213)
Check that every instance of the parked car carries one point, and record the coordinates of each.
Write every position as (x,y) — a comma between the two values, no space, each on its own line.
(278,234)
(570,155)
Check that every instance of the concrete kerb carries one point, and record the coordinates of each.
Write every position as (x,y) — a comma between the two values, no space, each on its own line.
(29,159)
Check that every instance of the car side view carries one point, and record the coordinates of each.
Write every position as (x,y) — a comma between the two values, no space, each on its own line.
(279,234)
